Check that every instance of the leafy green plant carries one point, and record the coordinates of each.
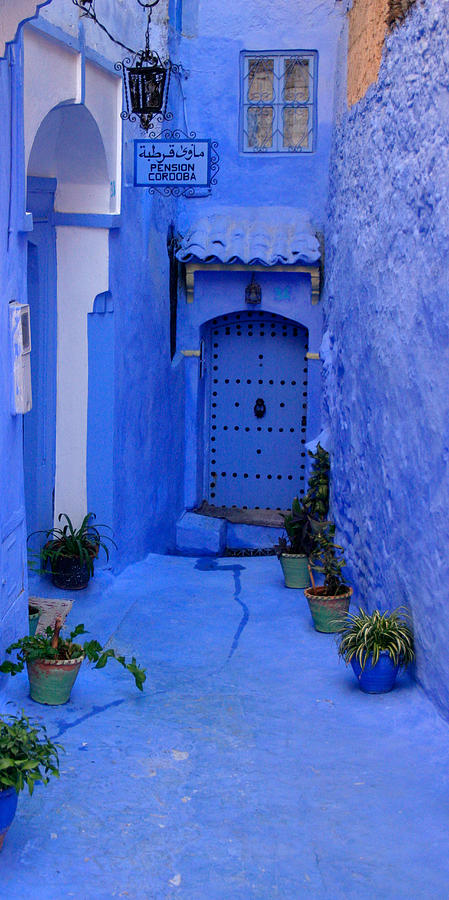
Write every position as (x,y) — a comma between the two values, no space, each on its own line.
(316,500)
(328,558)
(308,515)
(51,646)
(67,542)
(26,754)
(296,524)
(369,634)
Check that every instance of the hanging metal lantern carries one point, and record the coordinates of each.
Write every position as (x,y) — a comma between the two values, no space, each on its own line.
(146,84)
(146,78)
(253,292)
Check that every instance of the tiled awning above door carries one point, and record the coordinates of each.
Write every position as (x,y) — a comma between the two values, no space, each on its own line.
(266,236)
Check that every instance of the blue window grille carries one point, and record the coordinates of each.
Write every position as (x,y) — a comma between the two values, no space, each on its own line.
(278,101)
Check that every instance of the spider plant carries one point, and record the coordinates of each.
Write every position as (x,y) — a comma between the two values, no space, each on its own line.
(367,635)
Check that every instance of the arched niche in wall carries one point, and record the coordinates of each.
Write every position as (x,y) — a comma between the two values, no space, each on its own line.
(69,153)
(68,146)
(71,113)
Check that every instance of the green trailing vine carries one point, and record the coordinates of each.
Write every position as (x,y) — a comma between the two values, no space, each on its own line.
(51,646)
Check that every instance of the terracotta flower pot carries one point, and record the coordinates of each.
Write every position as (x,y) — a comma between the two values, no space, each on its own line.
(295,569)
(51,680)
(328,613)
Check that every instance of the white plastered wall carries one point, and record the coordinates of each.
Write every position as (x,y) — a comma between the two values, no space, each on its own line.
(77,140)
(82,259)
(53,77)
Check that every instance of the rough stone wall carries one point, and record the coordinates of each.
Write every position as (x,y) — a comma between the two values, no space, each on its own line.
(386,347)
(367,29)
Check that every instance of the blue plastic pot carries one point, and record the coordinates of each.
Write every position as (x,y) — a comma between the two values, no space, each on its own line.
(376,679)
(8,806)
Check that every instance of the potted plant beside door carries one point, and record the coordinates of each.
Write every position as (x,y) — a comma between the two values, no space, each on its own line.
(316,501)
(329,602)
(293,550)
(307,517)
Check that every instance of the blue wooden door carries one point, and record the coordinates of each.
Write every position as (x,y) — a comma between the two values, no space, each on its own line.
(39,425)
(257,410)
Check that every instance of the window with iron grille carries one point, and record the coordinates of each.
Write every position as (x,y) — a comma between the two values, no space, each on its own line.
(278,101)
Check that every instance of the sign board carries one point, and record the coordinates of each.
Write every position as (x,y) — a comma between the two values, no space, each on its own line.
(172,163)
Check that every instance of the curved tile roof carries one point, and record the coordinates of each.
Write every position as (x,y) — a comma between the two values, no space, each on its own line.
(266,235)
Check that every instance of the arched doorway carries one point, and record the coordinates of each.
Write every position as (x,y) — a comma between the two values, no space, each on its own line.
(256,410)
(68,262)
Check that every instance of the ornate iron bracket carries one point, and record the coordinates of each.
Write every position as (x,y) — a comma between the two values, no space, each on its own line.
(146,77)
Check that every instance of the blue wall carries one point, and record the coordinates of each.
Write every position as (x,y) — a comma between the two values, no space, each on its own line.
(387,340)
(208,37)
(149,411)
(213,35)
(13,583)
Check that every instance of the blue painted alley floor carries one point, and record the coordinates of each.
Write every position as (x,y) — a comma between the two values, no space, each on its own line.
(251,767)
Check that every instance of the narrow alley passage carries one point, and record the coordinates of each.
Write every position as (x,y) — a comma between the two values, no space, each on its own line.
(251,766)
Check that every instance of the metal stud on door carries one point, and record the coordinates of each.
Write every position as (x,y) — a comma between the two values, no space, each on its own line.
(257,410)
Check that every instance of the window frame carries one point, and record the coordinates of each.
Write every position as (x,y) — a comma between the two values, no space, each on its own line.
(278,104)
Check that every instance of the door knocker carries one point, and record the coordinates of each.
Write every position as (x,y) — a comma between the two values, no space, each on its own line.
(259,408)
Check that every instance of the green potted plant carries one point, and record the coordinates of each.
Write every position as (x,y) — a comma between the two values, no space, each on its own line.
(293,550)
(70,552)
(316,501)
(329,602)
(307,517)
(26,757)
(53,663)
(377,645)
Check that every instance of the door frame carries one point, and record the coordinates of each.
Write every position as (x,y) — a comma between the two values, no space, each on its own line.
(207,339)
(213,290)
(45,355)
